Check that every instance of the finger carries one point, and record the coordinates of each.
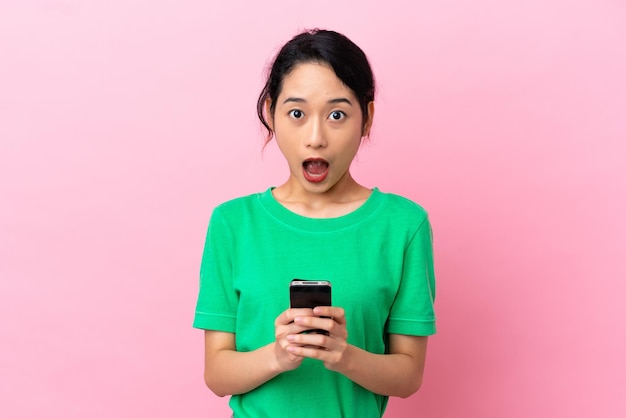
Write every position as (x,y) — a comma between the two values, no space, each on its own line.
(313,339)
(292,328)
(316,322)
(310,351)
(289,315)
(335,312)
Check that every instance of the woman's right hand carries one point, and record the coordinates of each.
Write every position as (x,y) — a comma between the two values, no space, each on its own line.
(285,326)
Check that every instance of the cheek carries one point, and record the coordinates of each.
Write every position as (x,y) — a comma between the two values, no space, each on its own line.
(285,129)
(286,147)
(349,151)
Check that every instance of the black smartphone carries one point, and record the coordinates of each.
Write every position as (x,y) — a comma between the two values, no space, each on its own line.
(309,294)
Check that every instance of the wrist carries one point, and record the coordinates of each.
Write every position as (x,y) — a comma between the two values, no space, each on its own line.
(348,361)
(273,363)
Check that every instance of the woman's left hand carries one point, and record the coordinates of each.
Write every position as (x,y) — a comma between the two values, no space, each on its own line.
(330,349)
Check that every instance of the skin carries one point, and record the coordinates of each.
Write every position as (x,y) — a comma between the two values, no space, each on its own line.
(316,116)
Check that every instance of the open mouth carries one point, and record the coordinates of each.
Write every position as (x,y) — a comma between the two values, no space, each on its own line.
(315,170)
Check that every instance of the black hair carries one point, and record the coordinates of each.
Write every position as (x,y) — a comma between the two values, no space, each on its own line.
(347,60)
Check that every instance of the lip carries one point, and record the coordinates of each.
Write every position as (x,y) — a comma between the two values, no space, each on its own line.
(315,178)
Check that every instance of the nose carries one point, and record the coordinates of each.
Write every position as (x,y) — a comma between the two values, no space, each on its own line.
(315,137)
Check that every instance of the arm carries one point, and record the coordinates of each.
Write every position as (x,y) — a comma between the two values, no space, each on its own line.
(229,372)
(398,373)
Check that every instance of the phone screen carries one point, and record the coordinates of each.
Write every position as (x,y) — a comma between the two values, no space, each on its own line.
(310,293)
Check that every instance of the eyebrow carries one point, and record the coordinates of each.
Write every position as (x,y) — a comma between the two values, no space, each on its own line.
(331,101)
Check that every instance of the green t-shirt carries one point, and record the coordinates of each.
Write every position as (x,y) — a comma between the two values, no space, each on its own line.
(378,259)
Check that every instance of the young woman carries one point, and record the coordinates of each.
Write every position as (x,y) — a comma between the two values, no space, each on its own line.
(374,247)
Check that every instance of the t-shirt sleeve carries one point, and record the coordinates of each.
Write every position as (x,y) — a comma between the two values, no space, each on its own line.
(413,311)
(216,308)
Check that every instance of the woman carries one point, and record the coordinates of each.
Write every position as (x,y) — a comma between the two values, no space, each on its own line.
(375,248)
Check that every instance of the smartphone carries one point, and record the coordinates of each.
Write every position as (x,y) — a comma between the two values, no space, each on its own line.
(309,294)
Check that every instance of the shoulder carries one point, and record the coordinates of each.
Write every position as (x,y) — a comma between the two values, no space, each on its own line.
(231,214)
(404,208)
(231,217)
(237,206)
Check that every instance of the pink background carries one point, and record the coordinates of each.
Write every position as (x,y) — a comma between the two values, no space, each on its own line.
(122,123)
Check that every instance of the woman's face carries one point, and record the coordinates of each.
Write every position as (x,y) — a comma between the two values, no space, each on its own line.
(318,125)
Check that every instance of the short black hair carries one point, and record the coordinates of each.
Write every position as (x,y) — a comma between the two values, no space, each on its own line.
(321,46)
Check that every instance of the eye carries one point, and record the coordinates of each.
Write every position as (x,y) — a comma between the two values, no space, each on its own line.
(337,115)
(296,114)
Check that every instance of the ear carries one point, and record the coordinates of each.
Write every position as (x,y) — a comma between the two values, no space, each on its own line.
(367,126)
(268,113)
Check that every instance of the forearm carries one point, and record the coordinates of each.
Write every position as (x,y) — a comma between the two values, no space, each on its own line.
(385,374)
(230,372)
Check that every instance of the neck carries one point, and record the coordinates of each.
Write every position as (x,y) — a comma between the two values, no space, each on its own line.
(341,199)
